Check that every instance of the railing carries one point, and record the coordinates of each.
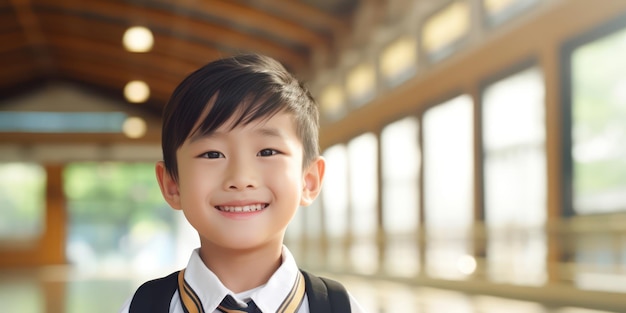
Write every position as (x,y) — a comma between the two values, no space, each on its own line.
(579,261)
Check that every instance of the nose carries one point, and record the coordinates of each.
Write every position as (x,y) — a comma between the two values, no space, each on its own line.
(241,174)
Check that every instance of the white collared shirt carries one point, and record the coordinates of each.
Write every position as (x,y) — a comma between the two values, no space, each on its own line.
(267,297)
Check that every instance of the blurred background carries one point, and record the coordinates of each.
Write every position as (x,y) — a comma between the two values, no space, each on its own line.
(475,148)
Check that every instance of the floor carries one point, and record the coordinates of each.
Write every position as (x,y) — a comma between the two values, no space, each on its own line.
(61,289)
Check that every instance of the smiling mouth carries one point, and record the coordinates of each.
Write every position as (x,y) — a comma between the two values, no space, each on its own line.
(243,209)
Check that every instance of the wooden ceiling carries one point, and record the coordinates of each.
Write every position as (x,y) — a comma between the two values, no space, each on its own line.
(80,41)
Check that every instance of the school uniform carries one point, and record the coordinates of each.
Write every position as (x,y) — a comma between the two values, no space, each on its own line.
(202,285)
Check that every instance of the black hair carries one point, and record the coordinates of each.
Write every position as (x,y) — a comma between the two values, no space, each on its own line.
(245,87)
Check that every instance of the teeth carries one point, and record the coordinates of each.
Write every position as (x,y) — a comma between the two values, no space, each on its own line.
(245,208)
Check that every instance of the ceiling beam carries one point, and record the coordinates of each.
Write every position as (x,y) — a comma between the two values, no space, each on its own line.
(32,31)
(158,20)
(174,67)
(308,15)
(12,41)
(81,28)
(17,70)
(256,19)
(8,21)
(113,76)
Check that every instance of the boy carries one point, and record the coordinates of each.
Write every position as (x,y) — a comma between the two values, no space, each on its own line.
(240,150)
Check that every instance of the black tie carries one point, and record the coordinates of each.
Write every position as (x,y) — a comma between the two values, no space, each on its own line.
(229,305)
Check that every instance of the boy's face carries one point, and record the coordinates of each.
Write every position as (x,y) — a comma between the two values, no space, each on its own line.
(240,188)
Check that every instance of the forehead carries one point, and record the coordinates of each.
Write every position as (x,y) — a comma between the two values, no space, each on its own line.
(280,125)
(232,111)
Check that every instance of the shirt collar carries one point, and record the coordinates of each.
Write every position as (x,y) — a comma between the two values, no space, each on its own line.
(268,297)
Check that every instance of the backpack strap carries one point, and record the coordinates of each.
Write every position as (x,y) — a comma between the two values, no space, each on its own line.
(325,295)
(155,296)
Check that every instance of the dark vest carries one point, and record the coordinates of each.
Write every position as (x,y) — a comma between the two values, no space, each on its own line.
(324,295)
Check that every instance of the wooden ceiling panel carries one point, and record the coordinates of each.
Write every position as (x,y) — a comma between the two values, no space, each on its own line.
(8,20)
(81,40)
(91,31)
(170,22)
(73,46)
(256,20)
(12,41)
(17,70)
(114,75)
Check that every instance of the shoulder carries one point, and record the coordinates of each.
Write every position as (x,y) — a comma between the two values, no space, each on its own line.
(153,294)
(325,294)
(173,277)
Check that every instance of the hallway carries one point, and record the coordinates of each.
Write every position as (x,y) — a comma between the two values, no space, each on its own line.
(63,290)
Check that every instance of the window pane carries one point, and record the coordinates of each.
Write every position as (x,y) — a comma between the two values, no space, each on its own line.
(331,101)
(448,181)
(398,61)
(335,202)
(400,166)
(22,199)
(314,235)
(515,177)
(599,160)
(499,11)
(444,29)
(361,84)
(362,165)
(514,147)
(599,125)
(335,191)
(362,162)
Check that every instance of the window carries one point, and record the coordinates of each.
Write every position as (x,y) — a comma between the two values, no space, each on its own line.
(444,30)
(335,203)
(313,233)
(363,171)
(361,84)
(599,125)
(22,199)
(400,198)
(400,163)
(448,180)
(118,219)
(515,177)
(332,100)
(398,61)
(598,133)
(500,11)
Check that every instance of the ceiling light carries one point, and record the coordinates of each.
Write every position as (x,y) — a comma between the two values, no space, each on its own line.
(136,91)
(134,127)
(332,99)
(138,39)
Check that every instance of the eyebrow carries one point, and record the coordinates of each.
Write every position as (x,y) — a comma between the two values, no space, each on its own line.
(270,132)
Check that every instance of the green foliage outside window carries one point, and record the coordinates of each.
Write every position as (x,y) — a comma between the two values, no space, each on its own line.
(599,124)
(115,210)
(22,201)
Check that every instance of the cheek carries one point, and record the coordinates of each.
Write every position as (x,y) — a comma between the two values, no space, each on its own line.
(291,181)
(192,178)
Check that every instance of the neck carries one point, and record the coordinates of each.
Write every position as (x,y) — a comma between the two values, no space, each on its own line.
(241,270)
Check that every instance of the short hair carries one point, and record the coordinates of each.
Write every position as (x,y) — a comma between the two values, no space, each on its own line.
(244,87)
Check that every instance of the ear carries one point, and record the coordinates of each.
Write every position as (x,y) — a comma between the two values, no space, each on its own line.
(313,177)
(169,187)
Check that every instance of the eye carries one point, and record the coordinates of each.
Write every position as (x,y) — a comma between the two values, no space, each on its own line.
(212,155)
(267,152)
